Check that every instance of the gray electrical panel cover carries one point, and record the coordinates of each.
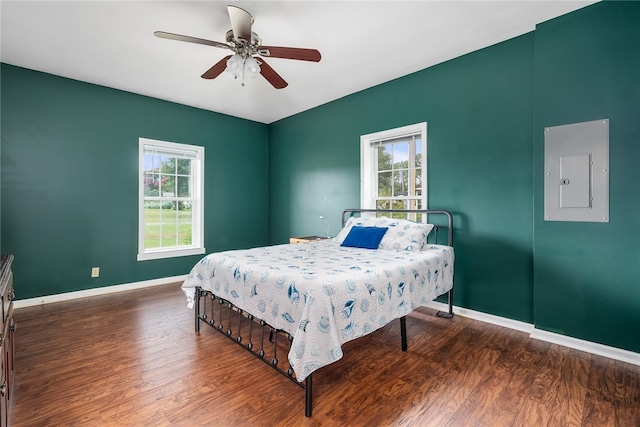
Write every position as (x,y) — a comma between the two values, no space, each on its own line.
(576,172)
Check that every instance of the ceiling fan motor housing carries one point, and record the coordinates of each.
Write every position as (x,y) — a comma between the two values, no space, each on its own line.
(244,47)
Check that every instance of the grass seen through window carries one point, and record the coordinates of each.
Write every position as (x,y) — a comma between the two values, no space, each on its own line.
(175,226)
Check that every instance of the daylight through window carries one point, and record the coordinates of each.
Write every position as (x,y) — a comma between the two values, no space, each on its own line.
(393,169)
(171,181)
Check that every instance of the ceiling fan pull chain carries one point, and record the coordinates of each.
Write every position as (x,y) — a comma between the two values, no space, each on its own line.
(244,65)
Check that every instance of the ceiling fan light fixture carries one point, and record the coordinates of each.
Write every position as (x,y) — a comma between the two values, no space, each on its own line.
(251,68)
(234,65)
(243,67)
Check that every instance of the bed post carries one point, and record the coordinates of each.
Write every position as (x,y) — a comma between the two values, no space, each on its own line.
(198,309)
(403,332)
(307,397)
(449,314)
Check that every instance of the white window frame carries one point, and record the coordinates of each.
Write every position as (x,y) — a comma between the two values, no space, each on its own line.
(197,208)
(368,162)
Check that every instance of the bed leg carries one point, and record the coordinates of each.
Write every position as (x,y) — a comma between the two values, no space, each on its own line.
(403,332)
(447,315)
(307,397)
(197,311)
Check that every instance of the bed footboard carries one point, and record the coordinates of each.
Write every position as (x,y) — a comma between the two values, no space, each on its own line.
(253,334)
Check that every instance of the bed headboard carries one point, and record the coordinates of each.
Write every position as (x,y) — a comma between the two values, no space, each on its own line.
(442,226)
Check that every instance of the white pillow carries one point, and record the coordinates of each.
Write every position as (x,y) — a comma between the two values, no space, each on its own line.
(346,229)
(402,233)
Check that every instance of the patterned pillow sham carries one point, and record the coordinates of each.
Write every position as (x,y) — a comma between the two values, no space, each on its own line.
(402,233)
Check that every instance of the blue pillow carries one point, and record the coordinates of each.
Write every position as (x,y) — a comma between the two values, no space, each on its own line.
(364,237)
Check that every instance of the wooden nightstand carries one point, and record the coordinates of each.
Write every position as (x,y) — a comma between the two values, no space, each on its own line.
(307,239)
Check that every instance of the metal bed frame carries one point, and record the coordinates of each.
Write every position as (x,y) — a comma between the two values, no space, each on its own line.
(261,339)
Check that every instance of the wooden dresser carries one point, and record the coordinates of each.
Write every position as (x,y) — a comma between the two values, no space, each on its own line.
(7,333)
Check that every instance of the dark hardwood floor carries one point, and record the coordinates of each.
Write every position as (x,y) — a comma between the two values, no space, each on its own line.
(133,359)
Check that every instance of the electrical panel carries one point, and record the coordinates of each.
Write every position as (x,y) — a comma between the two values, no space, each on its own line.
(576,172)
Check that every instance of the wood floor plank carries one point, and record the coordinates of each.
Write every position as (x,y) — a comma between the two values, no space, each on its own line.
(133,359)
(572,389)
(539,404)
(627,394)
(599,403)
(492,383)
(508,405)
(471,364)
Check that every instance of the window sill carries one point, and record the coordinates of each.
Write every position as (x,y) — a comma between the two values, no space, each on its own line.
(170,253)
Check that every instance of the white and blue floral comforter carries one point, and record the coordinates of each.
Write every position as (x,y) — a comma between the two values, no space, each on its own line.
(324,294)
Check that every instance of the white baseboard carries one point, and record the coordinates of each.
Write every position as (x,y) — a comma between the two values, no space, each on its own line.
(484,317)
(538,334)
(47,299)
(588,346)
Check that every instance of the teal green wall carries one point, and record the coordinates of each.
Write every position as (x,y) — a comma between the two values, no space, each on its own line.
(478,108)
(70,174)
(486,112)
(587,275)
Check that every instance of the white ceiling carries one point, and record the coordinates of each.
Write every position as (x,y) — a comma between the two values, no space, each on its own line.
(111,43)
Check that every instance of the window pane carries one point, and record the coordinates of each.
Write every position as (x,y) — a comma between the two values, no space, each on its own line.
(383,204)
(400,183)
(417,173)
(168,235)
(184,166)
(384,157)
(398,204)
(384,184)
(184,189)
(185,221)
(400,155)
(184,212)
(184,234)
(168,165)
(167,185)
(150,185)
(151,236)
(169,214)
(151,162)
(151,212)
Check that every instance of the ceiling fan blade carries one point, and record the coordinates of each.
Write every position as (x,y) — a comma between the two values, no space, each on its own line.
(271,75)
(241,22)
(217,69)
(189,39)
(290,53)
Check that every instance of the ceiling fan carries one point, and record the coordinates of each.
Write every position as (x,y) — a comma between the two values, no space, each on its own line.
(246,45)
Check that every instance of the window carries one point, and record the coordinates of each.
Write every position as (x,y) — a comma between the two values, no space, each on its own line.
(171,208)
(393,169)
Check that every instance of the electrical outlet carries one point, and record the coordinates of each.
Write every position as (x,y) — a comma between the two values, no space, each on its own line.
(95,272)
